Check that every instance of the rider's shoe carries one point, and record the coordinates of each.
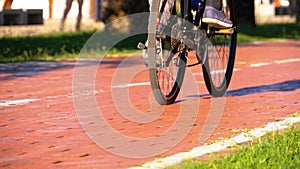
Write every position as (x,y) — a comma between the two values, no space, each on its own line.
(216,18)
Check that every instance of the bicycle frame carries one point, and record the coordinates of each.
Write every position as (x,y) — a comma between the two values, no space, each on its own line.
(194,18)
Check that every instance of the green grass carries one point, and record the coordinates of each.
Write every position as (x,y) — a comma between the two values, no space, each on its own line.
(269,32)
(64,46)
(275,150)
(42,47)
(60,46)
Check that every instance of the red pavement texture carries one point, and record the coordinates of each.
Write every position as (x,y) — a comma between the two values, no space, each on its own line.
(47,133)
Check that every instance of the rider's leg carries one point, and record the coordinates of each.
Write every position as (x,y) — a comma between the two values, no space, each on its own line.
(215,15)
(215,3)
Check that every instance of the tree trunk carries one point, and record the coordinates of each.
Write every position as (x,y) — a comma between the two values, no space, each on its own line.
(50,8)
(7,4)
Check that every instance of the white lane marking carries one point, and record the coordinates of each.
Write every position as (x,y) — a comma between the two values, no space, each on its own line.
(83,93)
(260,64)
(25,101)
(275,62)
(257,65)
(287,61)
(216,147)
(4,103)
(132,85)
(215,71)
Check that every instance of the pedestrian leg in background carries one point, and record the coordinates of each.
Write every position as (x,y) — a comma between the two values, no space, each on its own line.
(66,11)
(80,3)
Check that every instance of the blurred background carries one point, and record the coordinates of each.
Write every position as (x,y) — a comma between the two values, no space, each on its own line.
(258,20)
(249,12)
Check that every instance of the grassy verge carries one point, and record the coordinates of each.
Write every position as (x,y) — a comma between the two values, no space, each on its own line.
(275,150)
(42,47)
(63,46)
(269,32)
(58,46)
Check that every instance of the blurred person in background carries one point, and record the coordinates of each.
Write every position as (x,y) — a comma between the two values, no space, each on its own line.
(66,11)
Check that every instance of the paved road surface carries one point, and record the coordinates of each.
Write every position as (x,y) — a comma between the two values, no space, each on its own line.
(39,127)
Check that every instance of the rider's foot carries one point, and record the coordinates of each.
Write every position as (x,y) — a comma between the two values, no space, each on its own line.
(216,18)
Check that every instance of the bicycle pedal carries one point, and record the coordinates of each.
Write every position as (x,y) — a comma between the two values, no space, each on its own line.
(225,31)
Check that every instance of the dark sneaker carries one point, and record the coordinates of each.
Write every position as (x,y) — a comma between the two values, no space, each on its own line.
(216,18)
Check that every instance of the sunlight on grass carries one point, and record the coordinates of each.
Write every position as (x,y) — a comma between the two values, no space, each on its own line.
(67,45)
(269,32)
(275,150)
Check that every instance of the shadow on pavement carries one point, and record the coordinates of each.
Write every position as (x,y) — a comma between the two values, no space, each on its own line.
(286,86)
(11,71)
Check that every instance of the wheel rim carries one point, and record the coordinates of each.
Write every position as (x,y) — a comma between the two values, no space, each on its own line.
(218,58)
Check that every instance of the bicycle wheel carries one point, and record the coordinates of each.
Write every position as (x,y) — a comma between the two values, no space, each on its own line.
(219,62)
(166,65)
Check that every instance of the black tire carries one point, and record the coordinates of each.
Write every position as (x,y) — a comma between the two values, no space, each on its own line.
(166,67)
(219,63)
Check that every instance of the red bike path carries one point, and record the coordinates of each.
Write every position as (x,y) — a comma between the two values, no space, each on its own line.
(39,127)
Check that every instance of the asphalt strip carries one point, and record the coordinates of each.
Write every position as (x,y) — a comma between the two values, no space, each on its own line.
(219,146)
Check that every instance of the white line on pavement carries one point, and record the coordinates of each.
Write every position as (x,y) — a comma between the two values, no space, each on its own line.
(216,147)
(287,61)
(24,101)
(260,64)
(4,103)
(216,71)
(275,61)
(132,85)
